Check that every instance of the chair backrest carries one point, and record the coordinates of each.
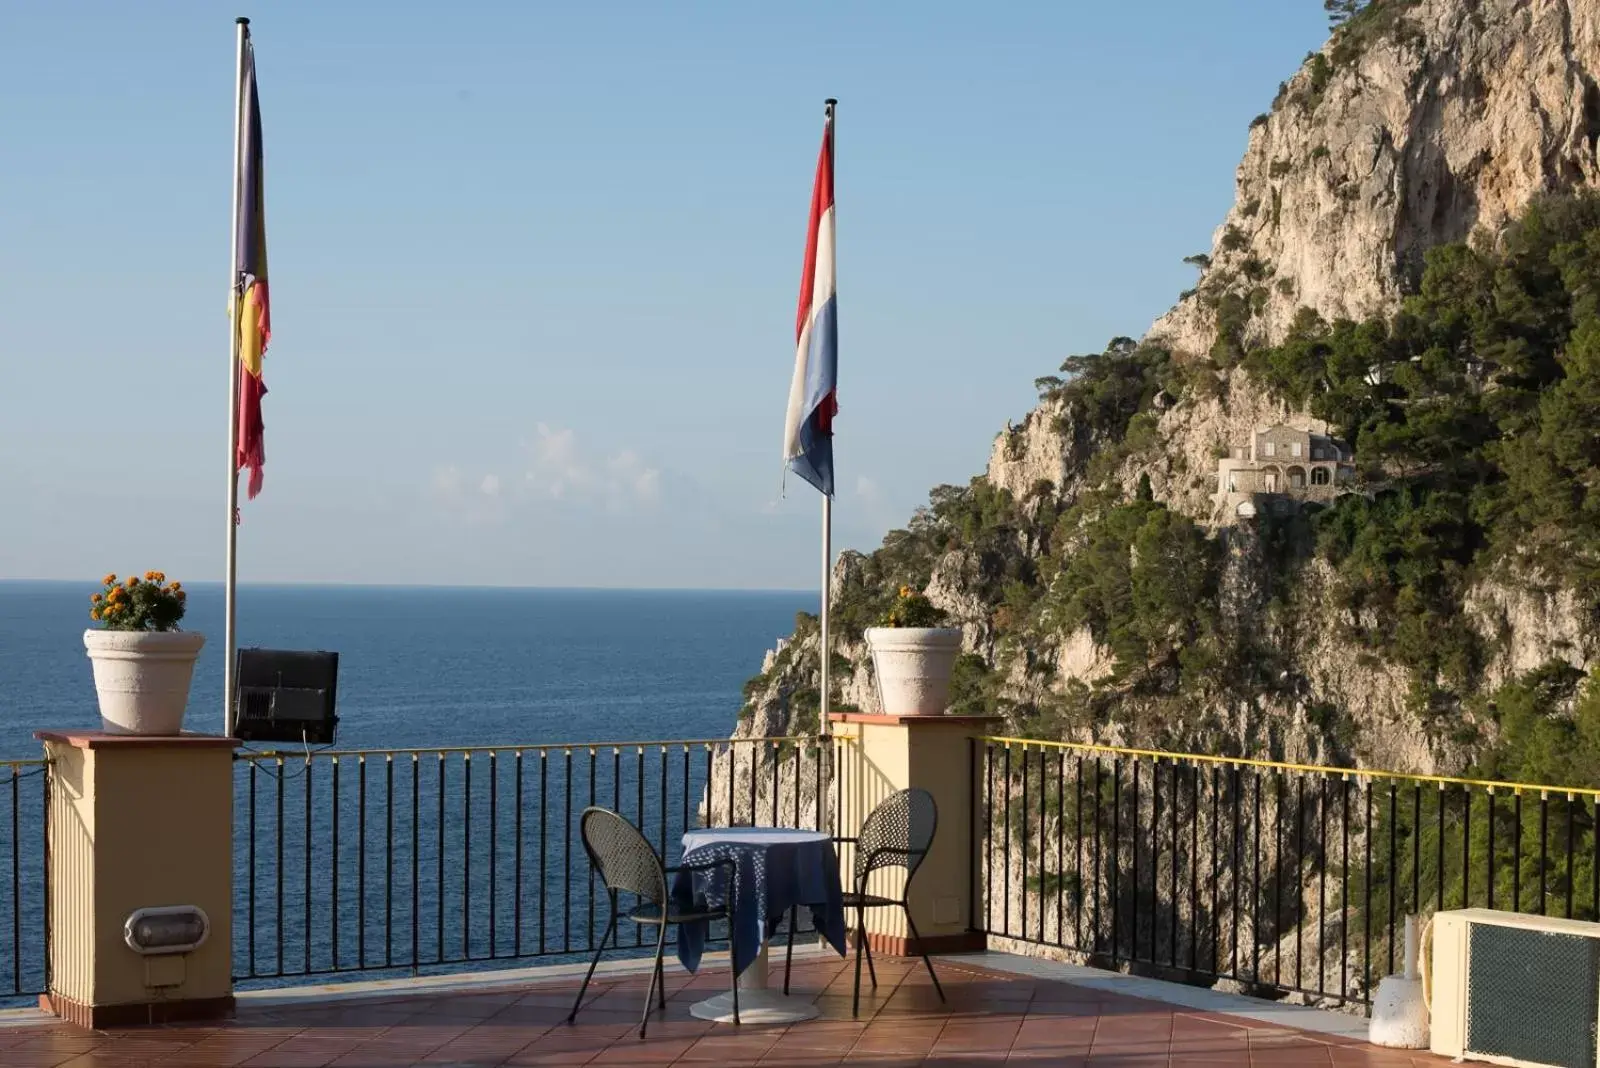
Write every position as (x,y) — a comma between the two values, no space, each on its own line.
(624,858)
(897,833)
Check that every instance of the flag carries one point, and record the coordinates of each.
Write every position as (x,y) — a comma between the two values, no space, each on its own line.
(808,428)
(252,315)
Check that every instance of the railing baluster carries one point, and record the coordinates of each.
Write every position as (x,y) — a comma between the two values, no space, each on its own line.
(335,819)
(1022,841)
(1116,855)
(1344,888)
(1366,911)
(494,847)
(1489,851)
(252,891)
(416,860)
(1061,845)
(361,862)
(439,882)
(1544,835)
(516,882)
(278,868)
(1516,852)
(1005,842)
(1255,881)
(388,860)
(1177,862)
(1394,870)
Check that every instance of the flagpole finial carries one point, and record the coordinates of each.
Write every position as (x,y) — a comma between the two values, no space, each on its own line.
(242,21)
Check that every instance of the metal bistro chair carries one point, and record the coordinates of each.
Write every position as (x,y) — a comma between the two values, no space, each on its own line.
(628,864)
(896,834)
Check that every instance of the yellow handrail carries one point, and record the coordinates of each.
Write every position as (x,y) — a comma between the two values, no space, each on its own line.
(1278,765)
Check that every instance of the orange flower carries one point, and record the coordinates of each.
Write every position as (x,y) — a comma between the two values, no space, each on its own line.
(176,587)
(95,597)
(116,594)
(109,580)
(94,613)
(155,576)
(905,591)
(132,582)
(183,595)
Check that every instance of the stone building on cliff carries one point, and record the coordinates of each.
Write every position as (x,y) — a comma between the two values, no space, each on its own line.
(1281,468)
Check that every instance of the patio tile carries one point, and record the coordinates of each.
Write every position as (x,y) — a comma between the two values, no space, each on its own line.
(989,1019)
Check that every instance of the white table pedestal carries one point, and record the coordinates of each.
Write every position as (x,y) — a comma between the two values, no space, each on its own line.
(757,1004)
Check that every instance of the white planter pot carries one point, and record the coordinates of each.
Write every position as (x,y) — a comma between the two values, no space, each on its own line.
(142,678)
(913,668)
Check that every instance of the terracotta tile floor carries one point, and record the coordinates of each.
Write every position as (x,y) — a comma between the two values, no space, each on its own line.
(992,1018)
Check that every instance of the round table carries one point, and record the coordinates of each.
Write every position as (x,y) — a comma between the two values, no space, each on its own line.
(757,1004)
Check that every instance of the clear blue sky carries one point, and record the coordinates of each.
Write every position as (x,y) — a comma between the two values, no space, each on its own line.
(534,267)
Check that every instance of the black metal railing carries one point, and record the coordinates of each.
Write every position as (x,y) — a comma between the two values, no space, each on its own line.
(24,880)
(1281,877)
(422,860)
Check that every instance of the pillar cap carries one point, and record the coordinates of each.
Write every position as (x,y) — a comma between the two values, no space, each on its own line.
(88,739)
(906,721)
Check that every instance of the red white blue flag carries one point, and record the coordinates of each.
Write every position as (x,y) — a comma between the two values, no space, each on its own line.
(813,399)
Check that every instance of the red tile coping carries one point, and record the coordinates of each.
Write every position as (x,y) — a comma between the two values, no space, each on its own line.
(894,721)
(990,1019)
(82,739)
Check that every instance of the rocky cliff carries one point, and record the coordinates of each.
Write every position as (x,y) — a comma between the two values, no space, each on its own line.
(1416,125)
(1103,594)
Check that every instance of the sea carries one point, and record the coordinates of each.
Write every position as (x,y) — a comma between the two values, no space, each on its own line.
(421,667)
(443,861)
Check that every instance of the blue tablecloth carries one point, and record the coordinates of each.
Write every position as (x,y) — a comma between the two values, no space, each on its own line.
(778,869)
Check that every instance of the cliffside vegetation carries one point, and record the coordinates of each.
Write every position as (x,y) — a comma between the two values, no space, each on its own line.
(1474,413)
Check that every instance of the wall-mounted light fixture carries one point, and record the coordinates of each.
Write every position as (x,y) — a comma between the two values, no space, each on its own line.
(166,929)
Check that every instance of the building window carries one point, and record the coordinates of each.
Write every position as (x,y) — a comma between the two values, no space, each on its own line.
(1269,449)
(1297,479)
(1294,449)
(1272,482)
(1233,482)
(1316,453)
(1319,476)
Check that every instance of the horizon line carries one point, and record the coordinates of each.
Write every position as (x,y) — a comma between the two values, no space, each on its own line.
(316,584)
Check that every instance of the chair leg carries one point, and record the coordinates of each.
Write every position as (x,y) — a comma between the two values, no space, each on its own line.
(788,954)
(655,973)
(912,927)
(732,972)
(661,984)
(872,973)
(861,941)
(601,948)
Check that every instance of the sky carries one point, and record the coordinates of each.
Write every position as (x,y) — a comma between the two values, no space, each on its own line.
(534,268)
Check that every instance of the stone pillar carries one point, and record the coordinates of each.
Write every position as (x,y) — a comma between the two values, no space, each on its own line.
(878,755)
(138,822)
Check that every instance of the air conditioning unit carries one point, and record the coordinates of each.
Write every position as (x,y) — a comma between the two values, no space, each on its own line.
(1514,989)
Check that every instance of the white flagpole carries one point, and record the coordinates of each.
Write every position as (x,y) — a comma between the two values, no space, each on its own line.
(827,502)
(230,582)
(827,596)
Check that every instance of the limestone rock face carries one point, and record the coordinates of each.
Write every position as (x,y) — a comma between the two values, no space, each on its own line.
(1448,117)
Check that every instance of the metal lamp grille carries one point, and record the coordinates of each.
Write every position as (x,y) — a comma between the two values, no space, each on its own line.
(1532,995)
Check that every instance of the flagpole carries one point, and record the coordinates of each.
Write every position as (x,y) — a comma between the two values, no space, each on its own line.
(827,503)
(230,637)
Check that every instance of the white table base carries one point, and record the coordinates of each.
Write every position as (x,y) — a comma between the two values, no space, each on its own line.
(757,1004)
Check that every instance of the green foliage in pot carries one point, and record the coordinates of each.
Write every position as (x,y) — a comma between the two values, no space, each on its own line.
(150,603)
(911,609)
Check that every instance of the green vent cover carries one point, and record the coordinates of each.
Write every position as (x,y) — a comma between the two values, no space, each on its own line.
(1531,995)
